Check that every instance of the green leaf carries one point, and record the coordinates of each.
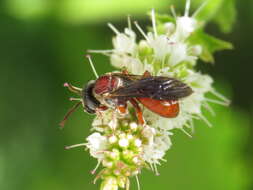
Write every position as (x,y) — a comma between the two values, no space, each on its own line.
(222,12)
(209,10)
(226,16)
(163,18)
(210,44)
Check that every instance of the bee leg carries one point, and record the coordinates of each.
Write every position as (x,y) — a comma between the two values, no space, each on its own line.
(122,109)
(73,88)
(146,74)
(102,108)
(62,123)
(75,99)
(124,71)
(99,111)
(138,111)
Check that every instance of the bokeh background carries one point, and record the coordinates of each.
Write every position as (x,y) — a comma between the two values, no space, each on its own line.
(42,46)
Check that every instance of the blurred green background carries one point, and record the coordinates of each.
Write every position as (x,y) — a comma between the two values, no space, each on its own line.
(42,46)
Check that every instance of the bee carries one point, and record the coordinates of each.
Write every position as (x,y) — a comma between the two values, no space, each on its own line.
(159,94)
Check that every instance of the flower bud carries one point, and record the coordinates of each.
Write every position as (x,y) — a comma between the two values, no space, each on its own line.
(133,126)
(128,154)
(109,183)
(114,154)
(196,50)
(129,137)
(121,181)
(107,163)
(169,28)
(112,139)
(123,142)
(137,142)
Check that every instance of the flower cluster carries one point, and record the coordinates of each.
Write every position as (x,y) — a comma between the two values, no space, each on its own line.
(169,49)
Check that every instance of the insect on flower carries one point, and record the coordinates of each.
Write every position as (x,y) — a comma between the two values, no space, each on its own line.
(114,90)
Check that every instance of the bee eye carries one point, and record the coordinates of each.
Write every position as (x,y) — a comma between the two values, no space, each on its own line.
(89,110)
(90,102)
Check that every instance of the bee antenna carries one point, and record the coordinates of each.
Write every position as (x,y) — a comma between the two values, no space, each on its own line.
(92,65)
(62,123)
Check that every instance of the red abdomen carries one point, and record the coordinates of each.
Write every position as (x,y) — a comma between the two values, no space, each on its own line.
(164,108)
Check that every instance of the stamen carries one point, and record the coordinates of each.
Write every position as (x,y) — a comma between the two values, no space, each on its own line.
(138,183)
(152,168)
(172,9)
(217,102)
(163,160)
(208,108)
(141,31)
(129,22)
(102,152)
(192,126)
(100,51)
(200,8)
(185,132)
(96,167)
(187,7)
(156,170)
(127,184)
(153,22)
(113,28)
(205,120)
(98,176)
(92,66)
(163,62)
(226,100)
(193,116)
(75,145)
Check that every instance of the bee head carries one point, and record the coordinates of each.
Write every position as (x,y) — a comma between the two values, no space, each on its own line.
(90,103)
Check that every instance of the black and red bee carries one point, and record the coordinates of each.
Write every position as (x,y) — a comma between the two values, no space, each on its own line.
(114,90)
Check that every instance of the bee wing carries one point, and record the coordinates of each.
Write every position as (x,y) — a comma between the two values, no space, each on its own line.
(159,88)
(129,77)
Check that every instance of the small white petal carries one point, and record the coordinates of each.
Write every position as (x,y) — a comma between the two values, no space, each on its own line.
(123,143)
(112,139)
(96,144)
(110,183)
(196,50)
(169,27)
(184,27)
(133,126)
(129,137)
(137,142)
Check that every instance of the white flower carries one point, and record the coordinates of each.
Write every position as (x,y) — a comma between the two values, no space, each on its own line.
(185,25)
(133,65)
(125,42)
(137,142)
(169,28)
(110,183)
(196,50)
(156,149)
(125,147)
(179,53)
(157,145)
(108,117)
(97,144)
(160,44)
(123,142)
(133,126)
(112,139)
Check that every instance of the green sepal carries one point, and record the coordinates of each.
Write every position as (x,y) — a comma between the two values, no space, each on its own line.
(210,44)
